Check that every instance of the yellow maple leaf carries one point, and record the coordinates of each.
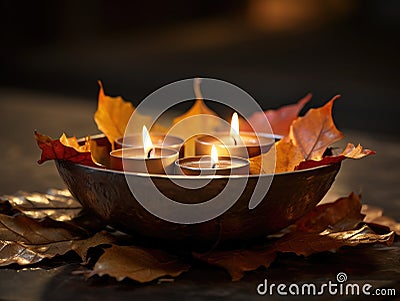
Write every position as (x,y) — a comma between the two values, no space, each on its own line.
(199,119)
(73,142)
(112,115)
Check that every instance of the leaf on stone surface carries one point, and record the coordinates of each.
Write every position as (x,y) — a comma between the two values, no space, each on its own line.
(279,119)
(140,264)
(16,232)
(237,262)
(374,217)
(82,246)
(306,243)
(343,214)
(58,205)
(21,228)
(23,253)
(350,152)
(56,150)
(327,228)
(314,132)
(205,121)
(35,226)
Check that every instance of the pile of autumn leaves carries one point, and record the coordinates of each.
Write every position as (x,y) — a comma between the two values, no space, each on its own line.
(305,139)
(37,227)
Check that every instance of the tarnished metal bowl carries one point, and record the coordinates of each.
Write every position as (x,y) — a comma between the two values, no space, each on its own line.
(106,193)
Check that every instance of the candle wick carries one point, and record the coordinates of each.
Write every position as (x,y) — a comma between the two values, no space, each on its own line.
(149,153)
(234,140)
(214,165)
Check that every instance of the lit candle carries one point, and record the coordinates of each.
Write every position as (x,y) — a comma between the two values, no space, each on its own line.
(234,143)
(148,146)
(144,159)
(235,129)
(158,140)
(212,165)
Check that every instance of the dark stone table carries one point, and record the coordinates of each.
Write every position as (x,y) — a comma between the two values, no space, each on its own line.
(377,178)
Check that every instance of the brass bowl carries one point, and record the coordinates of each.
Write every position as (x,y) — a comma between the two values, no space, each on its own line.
(106,193)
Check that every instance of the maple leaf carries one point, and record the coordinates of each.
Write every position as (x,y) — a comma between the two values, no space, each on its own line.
(279,119)
(73,142)
(314,132)
(308,138)
(351,151)
(112,115)
(137,263)
(57,150)
(199,119)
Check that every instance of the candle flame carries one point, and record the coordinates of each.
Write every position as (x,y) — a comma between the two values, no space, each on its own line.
(235,125)
(147,144)
(214,156)
(235,128)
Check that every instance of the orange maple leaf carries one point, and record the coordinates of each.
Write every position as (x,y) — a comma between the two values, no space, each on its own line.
(314,132)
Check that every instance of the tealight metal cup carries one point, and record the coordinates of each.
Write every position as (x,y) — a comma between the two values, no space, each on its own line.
(134,160)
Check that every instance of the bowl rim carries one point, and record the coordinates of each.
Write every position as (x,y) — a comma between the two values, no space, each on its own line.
(189,177)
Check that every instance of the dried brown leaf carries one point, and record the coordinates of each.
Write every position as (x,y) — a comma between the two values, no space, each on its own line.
(23,229)
(351,152)
(56,204)
(374,217)
(24,253)
(306,244)
(327,228)
(343,214)
(237,262)
(54,227)
(139,264)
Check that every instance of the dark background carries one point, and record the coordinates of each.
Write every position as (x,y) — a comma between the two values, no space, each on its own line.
(276,50)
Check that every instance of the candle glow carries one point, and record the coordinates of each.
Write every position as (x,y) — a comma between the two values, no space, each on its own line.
(147,144)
